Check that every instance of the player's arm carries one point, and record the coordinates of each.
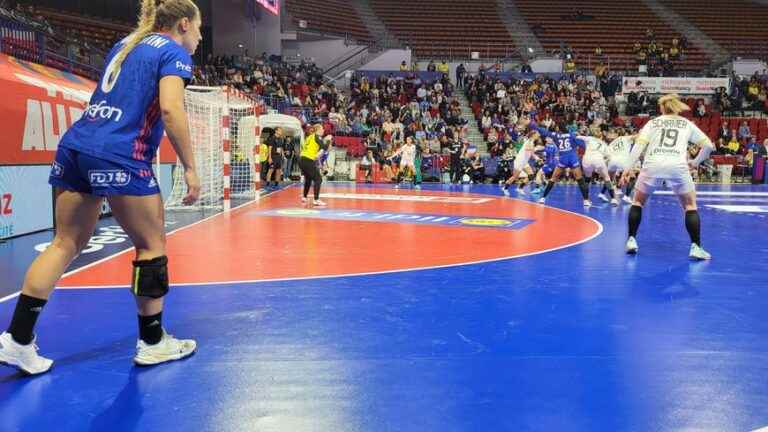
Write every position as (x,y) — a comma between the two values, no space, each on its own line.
(176,126)
(705,146)
(175,119)
(641,143)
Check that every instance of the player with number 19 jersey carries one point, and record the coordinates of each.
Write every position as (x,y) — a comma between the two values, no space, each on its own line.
(663,143)
(667,139)
(109,150)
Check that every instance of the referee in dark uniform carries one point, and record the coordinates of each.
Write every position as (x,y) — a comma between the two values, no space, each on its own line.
(455,152)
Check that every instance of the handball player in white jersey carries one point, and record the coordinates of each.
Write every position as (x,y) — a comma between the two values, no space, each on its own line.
(663,144)
(407,155)
(521,164)
(618,162)
(594,162)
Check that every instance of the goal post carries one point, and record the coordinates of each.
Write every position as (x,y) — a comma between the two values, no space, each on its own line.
(223,125)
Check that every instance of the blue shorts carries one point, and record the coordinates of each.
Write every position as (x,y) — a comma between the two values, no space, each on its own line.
(548,169)
(568,160)
(80,172)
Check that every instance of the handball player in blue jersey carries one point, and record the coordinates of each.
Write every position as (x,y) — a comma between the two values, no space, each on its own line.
(549,160)
(567,158)
(108,154)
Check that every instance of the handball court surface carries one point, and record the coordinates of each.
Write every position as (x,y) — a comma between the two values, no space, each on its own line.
(440,309)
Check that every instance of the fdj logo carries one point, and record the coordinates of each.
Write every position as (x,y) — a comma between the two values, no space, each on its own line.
(105,178)
(57,170)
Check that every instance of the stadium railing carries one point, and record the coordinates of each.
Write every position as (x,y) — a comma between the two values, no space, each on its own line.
(27,43)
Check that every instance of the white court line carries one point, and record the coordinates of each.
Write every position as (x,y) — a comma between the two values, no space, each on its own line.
(87,266)
(408,197)
(718,193)
(599,231)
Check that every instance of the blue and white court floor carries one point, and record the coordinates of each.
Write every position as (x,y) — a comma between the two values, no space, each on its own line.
(439,309)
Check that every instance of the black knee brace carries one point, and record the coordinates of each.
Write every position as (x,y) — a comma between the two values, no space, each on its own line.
(150,277)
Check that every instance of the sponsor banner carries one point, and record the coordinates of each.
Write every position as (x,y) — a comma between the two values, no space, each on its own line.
(412,198)
(404,218)
(39,105)
(691,85)
(25,200)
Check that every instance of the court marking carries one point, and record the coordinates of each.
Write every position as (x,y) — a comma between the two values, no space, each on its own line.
(407,269)
(116,254)
(407,197)
(718,193)
(739,208)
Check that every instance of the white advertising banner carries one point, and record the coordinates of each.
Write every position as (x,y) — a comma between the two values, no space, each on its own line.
(688,86)
(25,200)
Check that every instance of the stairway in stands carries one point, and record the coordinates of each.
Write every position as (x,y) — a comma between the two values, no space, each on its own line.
(695,36)
(474,135)
(518,28)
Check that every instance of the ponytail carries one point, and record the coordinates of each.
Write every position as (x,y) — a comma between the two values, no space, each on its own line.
(155,15)
(671,104)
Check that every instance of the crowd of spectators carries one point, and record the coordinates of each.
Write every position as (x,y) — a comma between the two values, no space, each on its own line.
(571,102)
(659,59)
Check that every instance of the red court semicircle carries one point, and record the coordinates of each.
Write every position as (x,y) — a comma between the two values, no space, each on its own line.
(246,245)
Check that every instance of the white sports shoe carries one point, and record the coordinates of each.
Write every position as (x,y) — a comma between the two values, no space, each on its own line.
(697,253)
(603,197)
(168,349)
(542,200)
(505,191)
(626,199)
(304,199)
(614,202)
(521,191)
(587,203)
(632,247)
(319,203)
(22,357)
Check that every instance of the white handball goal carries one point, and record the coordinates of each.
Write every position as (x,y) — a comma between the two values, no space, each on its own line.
(224,131)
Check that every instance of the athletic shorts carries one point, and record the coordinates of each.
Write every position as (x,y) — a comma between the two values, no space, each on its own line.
(83,173)
(591,164)
(277,162)
(568,160)
(616,165)
(521,162)
(678,179)
(548,169)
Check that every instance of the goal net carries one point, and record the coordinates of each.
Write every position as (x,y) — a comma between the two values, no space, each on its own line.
(223,128)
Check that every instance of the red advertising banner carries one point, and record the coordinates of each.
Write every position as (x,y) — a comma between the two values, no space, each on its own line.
(37,105)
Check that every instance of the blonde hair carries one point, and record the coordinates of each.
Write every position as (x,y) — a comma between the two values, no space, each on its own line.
(671,104)
(155,15)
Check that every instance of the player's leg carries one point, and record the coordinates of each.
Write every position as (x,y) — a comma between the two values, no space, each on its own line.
(509,181)
(607,183)
(76,217)
(643,191)
(583,187)
(305,165)
(142,217)
(317,181)
(551,183)
(686,194)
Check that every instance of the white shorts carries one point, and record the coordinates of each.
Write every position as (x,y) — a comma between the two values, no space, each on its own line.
(678,179)
(616,165)
(594,163)
(521,162)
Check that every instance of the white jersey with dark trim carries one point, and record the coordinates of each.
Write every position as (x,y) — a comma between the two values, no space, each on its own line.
(667,139)
(620,147)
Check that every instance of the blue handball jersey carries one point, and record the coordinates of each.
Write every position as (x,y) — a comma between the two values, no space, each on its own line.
(122,121)
(566,142)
